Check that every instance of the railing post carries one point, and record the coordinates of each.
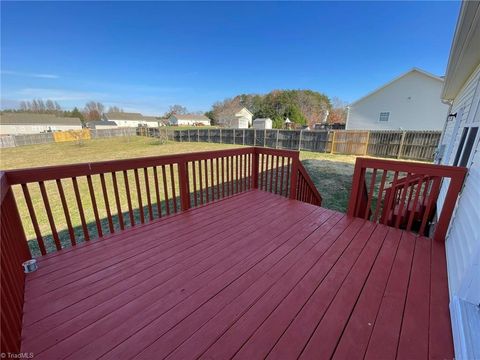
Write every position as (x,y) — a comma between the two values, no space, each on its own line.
(294,176)
(255,168)
(356,188)
(183,180)
(456,183)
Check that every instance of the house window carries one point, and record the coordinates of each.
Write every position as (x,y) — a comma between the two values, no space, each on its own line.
(465,146)
(384,116)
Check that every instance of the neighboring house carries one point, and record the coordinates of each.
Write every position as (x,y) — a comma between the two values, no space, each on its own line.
(30,123)
(189,119)
(102,124)
(460,145)
(130,119)
(236,118)
(262,123)
(408,102)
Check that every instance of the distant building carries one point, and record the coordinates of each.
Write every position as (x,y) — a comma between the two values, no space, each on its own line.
(262,123)
(130,119)
(189,119)
(30,123)
(408,102)
(102,124)
(236,118)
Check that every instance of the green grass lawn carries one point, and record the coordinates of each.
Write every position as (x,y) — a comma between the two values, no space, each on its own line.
(331,174)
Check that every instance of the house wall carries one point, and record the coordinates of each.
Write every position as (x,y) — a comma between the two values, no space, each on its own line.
(245,114)
(36,128)
(182,122)
(413,102)
(463,239)
(134,123)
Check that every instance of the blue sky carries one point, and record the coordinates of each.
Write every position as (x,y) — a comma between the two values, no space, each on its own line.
(145,56)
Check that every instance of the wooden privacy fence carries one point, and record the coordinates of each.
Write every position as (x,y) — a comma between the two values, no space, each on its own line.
(404,194)
(413,145)
(60,136)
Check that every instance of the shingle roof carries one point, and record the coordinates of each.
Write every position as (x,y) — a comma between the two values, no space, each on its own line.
(124,116)
(191,117)
(34,119)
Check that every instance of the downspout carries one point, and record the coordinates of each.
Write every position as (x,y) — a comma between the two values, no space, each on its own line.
(450,105)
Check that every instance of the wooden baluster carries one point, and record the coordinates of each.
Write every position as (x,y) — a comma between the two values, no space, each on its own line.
(223,177)
(432,197)
(231,191)
(415,203)
(403,197)
(276,175)
(218,177)
(194,183)
(379,196)
(212,175)
(183,184)
(282,175)
(172,181)
(157,192)
(147,190)
(117,201)
(94,206)
(129,199)
(206,181)
(237,176)
(288,184)
(370,194)
(51,220)
(33,218)
(165,190)
(107,204)
(80,209)
(201,180)
(261,165)
(240,174)
(388,208)
(66,212)
(139,196)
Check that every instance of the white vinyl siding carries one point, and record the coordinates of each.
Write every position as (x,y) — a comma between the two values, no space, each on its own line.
(463,239)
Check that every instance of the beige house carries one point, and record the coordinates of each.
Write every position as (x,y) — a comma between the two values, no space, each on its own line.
(130,119)
(237,118)
(29,123)
(189,119)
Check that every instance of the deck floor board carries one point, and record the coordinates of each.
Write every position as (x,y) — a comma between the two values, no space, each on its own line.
(251,276)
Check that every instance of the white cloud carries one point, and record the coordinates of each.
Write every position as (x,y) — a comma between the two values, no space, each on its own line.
(34,75)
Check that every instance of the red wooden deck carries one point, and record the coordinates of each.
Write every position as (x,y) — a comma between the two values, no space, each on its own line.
(252,276)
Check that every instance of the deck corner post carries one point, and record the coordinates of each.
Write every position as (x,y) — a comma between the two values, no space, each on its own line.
(183,182)
(356,188)
(294,175)
(255,168)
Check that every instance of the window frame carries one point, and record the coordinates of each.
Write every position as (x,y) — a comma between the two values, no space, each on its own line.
(383,114)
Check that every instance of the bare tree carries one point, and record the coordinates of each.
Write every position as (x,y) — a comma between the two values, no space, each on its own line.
(176,109)
(113,109)
(93,110)
(338,114)
(50,106)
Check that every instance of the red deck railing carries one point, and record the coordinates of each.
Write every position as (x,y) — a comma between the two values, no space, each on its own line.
(404,194)
(110,196)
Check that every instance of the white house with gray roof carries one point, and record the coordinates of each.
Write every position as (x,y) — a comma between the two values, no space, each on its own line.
(409,102)
(127,119)
(30,123)
(189,119)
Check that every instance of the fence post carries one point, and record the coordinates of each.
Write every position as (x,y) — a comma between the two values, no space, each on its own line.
(300,141)
(366,145)
(183,179)
(276,141)
(198,135)
(333,142)
(189,136)
(233,136)
(255,166)
(208,135)
(293,176)
(221,136)
(400,148)
(264,137)
(254,137)
(243,142)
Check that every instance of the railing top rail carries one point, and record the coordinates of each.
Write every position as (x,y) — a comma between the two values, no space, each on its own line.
(21,176)
(412,167)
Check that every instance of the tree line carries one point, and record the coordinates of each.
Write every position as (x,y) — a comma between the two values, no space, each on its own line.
(303,107)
